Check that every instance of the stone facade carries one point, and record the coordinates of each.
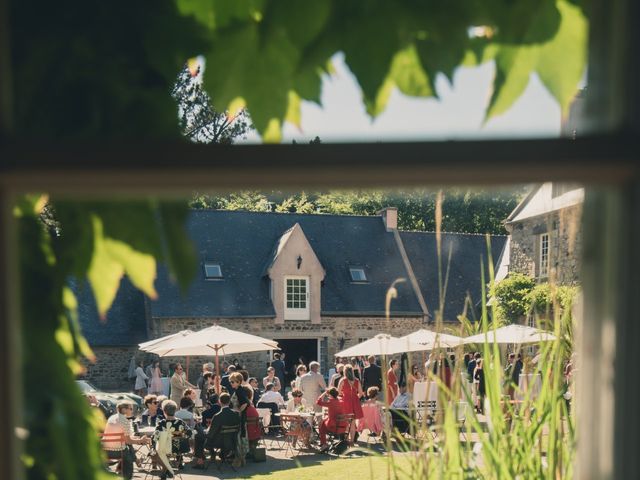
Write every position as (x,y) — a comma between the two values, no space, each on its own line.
(110,370)
(333,334)
(565,242)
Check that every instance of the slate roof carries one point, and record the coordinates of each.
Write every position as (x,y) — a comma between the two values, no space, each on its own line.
(126,322)
(467,251)
(243,243)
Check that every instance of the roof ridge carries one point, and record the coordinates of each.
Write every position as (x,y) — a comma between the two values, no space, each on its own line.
(456,233)
(319,214)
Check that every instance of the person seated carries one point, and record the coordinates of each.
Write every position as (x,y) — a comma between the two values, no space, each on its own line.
(179,437)
(119,423)
(185,413)
(372,419)
(213,407)
(191,394)
(399,410)
(254,432)
(152,413)
(296,403)
(226,417)
(253,383)
(330,400)
(273,401)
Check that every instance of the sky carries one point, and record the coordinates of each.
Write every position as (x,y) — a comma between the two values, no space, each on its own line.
(458,113)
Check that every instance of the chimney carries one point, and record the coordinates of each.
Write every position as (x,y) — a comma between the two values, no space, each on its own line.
(390,218)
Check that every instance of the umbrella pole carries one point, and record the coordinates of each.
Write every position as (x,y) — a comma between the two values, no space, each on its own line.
(217,374)
(187,371)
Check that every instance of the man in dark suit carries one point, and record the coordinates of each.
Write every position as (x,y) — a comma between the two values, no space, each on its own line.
(214,438)
(279,367)
(224,381)
(372,375)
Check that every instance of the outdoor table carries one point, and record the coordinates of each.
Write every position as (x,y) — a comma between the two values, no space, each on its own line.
(146,431)
(420,398)
(265,415)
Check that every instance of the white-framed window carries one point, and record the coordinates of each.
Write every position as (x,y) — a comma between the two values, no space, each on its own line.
(296,298)
(212,271)
(357,274)
(544,255)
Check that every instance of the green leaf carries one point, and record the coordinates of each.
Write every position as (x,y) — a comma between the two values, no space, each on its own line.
(560,61)
(408,74)
(258,69)
(220,13)
(293,111)
(111,259)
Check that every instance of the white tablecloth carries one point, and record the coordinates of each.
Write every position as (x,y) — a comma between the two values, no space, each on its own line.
(265,414)
(166,385)
(420,395)
(529,382)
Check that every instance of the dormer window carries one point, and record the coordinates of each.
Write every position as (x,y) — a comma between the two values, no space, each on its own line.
(212,271)
(357,274)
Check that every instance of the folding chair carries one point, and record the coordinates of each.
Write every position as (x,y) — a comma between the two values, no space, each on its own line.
(344,423)
(293,430)
(118,438)
(226,447)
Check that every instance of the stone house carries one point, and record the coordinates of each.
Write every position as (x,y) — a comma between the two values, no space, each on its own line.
(315,283)
(545,234)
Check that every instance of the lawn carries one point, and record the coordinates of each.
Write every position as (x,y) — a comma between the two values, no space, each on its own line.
(367,468)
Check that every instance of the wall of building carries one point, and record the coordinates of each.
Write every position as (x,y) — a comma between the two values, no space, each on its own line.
(110,370)
(337,333)
(565,234)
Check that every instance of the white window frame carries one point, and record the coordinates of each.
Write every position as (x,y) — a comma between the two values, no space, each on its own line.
(296,313)
(543,257)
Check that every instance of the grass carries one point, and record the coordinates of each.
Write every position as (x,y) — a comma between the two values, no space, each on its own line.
(363,468)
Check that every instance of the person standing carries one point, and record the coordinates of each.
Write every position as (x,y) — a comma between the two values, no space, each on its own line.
(351,391)
(178,384)
(478,376)
(279,369)
(392,381)
(372,375)
(141,380)
(155,387)
(312,385)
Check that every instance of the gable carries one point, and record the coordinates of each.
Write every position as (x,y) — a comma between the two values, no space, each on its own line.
(544,199)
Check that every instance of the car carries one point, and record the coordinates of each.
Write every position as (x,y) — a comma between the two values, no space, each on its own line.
(107,401)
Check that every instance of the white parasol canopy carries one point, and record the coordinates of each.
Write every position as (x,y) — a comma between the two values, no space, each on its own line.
(517,334)
(428,340)
(381,344)
(212,341)
(158,342)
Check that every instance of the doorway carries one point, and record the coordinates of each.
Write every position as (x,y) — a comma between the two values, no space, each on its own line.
(295,348)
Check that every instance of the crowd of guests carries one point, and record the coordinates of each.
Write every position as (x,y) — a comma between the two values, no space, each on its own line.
(353,386)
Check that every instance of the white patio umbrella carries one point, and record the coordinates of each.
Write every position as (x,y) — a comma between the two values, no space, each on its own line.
(428,340)
(213,341)
(516,334)
(381,344)
(157,342)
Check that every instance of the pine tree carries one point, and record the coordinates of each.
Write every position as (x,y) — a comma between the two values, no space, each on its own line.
(199,121)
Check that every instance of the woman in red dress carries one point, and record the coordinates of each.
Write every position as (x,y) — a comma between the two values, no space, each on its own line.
(392,382)
(351,391)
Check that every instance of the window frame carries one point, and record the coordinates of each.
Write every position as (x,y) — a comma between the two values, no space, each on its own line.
(543,255)
(609,416)
(353,268)
(297,313)
(212,264)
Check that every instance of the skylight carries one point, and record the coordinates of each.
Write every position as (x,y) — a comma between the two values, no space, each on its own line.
(212,270)
(357,274)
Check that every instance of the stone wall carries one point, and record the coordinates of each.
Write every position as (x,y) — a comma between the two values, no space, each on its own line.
(109,372)
(331,330)
(565,235)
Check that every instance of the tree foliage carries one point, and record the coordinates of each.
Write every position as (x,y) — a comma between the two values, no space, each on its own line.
(199,121)
(469,211)
(282,48)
